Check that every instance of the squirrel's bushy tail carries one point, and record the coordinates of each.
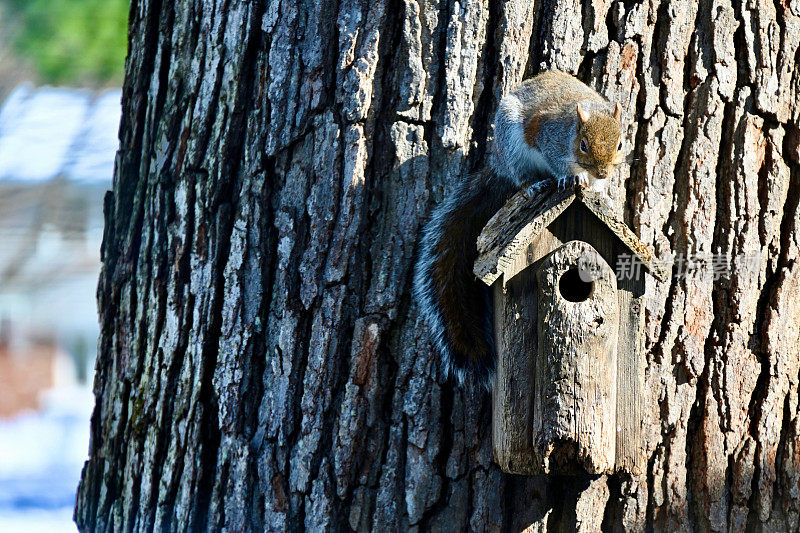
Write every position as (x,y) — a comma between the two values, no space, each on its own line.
(455,305)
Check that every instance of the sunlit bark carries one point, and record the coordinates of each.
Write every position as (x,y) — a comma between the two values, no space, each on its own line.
(261,365)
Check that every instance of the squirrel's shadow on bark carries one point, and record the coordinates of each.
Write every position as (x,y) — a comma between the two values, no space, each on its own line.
(546,502)
(550,500)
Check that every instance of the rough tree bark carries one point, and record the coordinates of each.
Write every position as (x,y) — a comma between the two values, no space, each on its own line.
(261,365)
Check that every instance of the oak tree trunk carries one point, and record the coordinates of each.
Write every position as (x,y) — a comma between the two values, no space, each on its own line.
(261,365)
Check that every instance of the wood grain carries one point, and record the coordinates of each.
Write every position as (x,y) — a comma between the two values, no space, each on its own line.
(575,395)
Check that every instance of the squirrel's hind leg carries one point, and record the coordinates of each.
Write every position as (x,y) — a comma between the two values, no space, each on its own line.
(535,188)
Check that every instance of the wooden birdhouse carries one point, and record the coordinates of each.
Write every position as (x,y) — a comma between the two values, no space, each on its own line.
(568,287)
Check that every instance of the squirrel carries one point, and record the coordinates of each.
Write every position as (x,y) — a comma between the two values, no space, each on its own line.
(550,127)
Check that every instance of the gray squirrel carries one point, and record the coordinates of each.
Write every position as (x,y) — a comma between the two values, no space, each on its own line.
(550,130)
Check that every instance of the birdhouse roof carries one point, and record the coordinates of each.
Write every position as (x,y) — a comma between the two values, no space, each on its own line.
(517,224)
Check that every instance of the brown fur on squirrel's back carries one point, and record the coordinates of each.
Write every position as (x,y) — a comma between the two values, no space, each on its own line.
(555,92)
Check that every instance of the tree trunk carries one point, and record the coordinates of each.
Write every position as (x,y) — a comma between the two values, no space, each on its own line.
(261,365)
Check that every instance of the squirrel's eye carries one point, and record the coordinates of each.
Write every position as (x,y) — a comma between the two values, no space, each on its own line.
(619,148)
(583,146)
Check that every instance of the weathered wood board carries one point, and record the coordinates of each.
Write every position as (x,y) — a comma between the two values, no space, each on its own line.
(518,329)
(575,388)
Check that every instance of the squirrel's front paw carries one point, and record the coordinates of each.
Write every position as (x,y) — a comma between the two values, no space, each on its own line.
(565,182)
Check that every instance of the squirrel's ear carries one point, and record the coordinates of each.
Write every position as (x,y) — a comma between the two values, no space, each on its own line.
(618,112)
(582,114)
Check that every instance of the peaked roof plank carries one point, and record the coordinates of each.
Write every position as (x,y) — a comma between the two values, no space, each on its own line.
(518,223)
(599,207)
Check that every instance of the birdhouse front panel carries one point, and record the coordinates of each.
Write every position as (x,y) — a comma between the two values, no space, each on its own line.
(540,360)
(575,386)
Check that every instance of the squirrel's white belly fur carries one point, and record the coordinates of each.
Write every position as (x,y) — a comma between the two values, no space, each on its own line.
(597,184)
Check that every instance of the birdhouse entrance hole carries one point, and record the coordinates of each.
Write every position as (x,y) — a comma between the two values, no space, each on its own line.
(573,286)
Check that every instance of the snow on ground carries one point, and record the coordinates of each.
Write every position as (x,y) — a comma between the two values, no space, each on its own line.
(41,456)
(48,135)
(37,521)
(54,131)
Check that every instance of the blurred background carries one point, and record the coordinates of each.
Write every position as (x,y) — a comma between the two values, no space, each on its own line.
(61,69)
